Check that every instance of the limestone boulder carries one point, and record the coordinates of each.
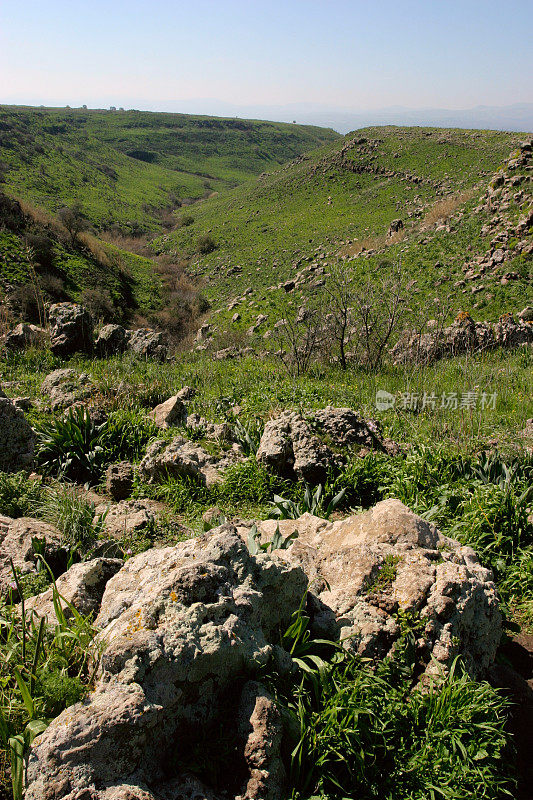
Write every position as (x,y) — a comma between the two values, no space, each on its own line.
(66,387)
(182,458)
(365,569)
(71,329)
(112,340)
(18,542)
(148,344)
(82,586)
(25,335)
(181,628)
(119,480)
(17,439)
(171,412)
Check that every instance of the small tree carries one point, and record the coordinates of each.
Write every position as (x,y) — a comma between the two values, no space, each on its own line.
(379,306)
(74,220)
(299,337)
(340,287)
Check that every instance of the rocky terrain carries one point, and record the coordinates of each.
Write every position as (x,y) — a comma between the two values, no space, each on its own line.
(227,571)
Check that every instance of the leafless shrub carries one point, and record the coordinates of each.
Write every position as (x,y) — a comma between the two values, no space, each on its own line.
(73,219)
(299,337)
(364,313)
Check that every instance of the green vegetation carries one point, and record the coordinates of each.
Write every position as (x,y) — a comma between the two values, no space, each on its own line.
(126,167)
(358,731)
(341,199)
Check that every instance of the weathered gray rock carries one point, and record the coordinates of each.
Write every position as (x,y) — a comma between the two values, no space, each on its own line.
(294,445)
(119,480)
(181,626)
(171,412)
(463,336)
(71,329)
(181,458)
(147,343)
(17,543)
(366,568)
(25,335)
(66,387)
(82,586)
(526,315)
(17,439)
(112,340)
(261,728)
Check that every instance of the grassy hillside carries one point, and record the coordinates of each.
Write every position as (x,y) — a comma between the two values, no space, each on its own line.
(341,199)
(39,260)
(125,166)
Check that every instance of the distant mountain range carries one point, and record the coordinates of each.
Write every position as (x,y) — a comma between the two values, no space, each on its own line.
(517,117)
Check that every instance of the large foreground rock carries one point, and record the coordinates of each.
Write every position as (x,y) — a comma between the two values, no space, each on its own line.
(17,439)
(71,329)
(182,628)
(365,569)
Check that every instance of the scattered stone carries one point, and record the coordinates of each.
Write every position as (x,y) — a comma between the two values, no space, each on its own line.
(294,446)
(148,343)
(119,480)
(171,412)
(186,393)
(112,340)
(395,226)
(128,517)
(23,336)
(17,539)
(71,329)
(181,458)
(526,315)
(17,439)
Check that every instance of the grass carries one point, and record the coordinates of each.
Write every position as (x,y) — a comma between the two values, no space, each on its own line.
(125,167)
(309,211)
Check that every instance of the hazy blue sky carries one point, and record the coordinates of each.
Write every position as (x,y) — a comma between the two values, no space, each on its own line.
(359,54)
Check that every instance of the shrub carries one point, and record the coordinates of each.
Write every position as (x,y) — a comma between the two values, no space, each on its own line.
(249,482)
(19,495)
(206,244)
(355,730)
(126,435)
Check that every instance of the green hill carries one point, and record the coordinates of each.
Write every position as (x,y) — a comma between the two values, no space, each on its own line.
(341,199)
(40,261)
(125,167)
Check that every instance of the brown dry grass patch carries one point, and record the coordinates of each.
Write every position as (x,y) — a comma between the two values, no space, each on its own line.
(441,211)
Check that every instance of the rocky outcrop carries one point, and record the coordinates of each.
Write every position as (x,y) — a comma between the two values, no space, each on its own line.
(71,329)
(148,343)
(82,586)
(365,569)
(182,458)
(292,445)
(17,439)
(18,540)
(463,336)
(181,629)
(112,340)
(184,630)
(66,387)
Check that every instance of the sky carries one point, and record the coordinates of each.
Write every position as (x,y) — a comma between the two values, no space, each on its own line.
(363,54)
